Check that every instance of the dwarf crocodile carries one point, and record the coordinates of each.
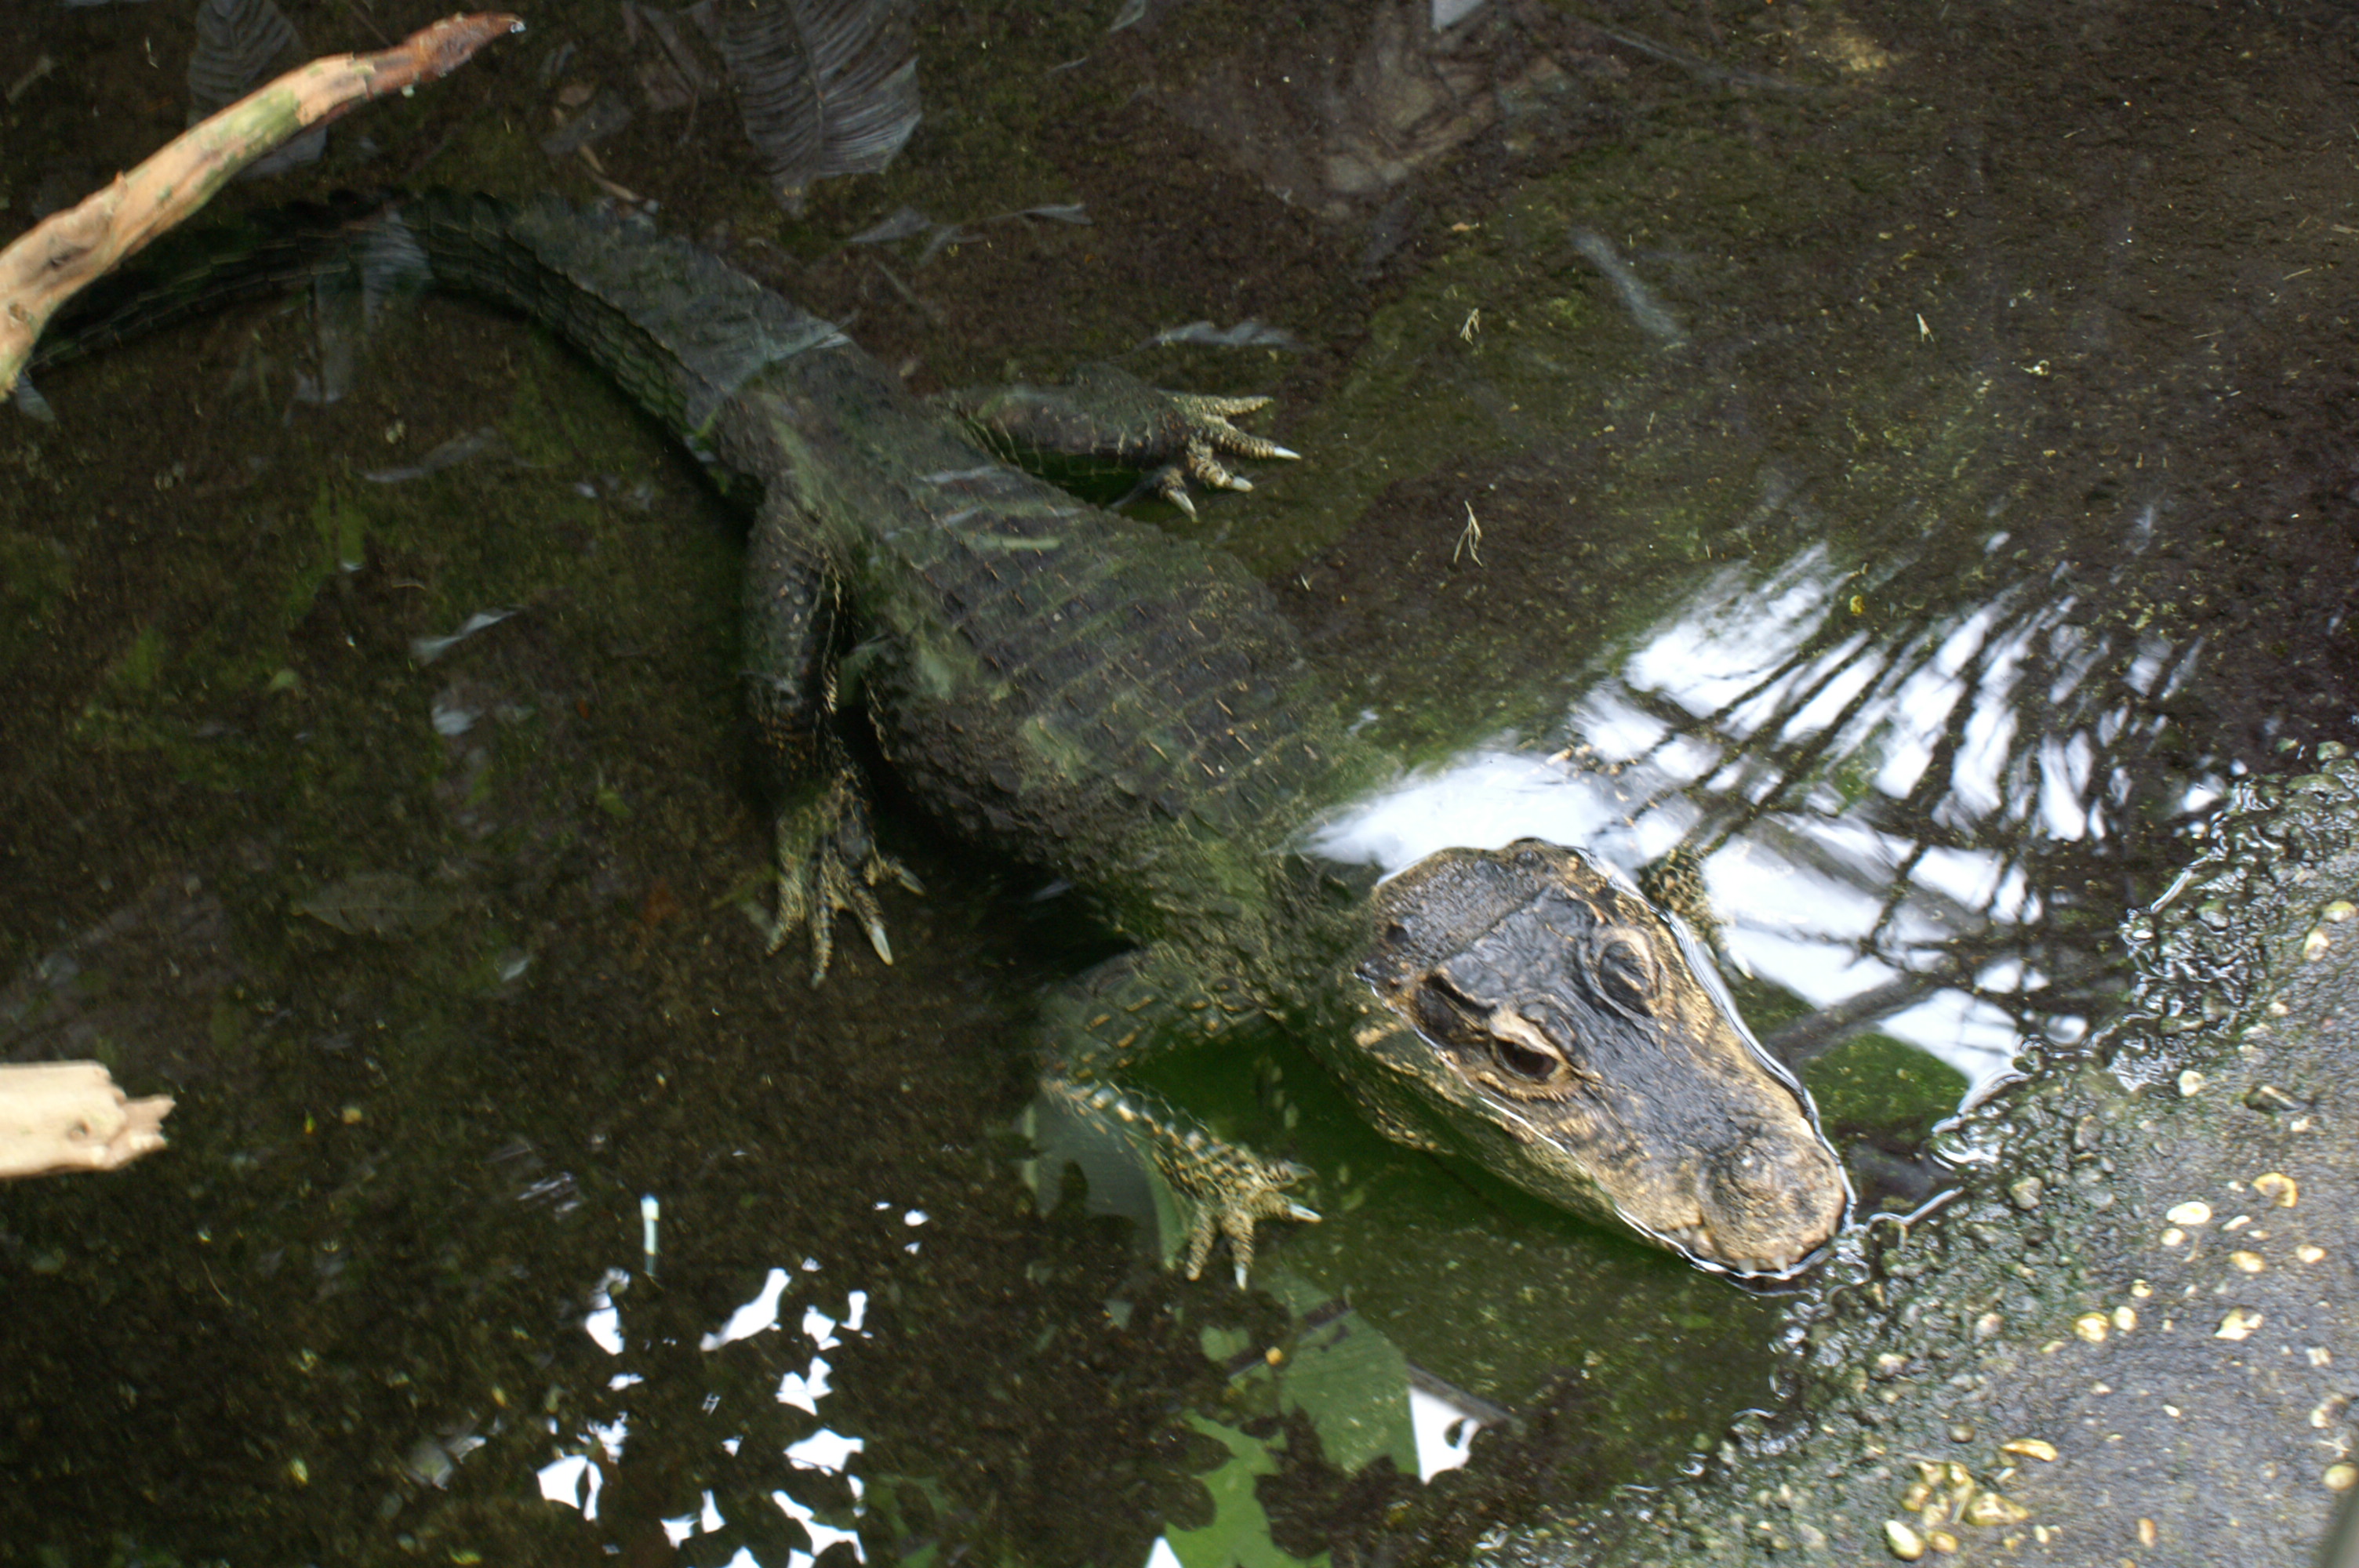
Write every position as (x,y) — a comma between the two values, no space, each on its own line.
(1127,710)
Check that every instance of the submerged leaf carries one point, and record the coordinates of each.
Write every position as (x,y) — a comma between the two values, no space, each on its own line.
(1239,1535)
(378,904)
(904,222)
(236,41)
(826,87)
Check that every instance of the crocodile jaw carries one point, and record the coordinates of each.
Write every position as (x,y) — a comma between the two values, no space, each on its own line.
(1533,1012)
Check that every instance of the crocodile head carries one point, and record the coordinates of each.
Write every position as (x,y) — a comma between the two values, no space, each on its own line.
(1535,1013)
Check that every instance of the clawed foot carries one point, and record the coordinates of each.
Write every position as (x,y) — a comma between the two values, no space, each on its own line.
(828,860)
(1233,1191)
(1222,1189)
(1209,437)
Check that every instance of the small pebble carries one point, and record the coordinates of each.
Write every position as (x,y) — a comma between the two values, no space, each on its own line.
(2191,1213)
(2279,1186)
(1940,1540)
(2190,1084)
(1961,1433)
(2238,1325)
(1990,1510)
(2147,1534)
(2250,1262)
(1906,1543)
(2025,1194)
(2030,1448)
(2091,1327)
(2341,1477)
(2125,1318)
(2173,1237)
(2307,1253)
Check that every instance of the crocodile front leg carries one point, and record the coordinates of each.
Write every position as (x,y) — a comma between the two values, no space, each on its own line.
(826,856)
(1125,1012)
(1105,421)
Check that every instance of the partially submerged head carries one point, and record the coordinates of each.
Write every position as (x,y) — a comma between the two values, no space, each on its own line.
(1541,1017)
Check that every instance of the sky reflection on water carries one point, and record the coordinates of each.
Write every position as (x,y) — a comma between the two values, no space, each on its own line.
(1845,891)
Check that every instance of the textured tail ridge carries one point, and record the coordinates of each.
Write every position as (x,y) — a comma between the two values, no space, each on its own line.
(678,329)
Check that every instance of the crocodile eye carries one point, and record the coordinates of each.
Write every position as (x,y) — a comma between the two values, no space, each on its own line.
(1622,971)
(1532,1066)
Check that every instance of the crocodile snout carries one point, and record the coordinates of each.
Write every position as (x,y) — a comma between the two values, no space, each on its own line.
(1768,1203)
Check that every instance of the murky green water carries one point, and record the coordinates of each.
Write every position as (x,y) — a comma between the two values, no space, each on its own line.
(1897,453)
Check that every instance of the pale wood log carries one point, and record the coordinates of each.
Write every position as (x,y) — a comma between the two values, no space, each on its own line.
(70,1116)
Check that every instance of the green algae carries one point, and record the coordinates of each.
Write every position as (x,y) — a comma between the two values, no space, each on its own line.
(1874,1084)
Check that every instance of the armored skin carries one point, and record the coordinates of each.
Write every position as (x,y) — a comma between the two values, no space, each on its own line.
(1126,710)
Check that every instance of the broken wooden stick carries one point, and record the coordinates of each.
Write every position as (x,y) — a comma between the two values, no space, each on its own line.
(69,1116)
(65,251)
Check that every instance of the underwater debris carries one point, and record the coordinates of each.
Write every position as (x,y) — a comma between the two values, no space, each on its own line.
(607,114)
(1337,113)
(1248,333)
(30,402)
(1645,309)
(825,87)
(378,904)
(455,451)
(426,650)
(236,41)
(907,222)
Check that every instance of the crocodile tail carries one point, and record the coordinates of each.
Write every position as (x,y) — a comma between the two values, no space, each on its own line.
(195,271)
(676,328)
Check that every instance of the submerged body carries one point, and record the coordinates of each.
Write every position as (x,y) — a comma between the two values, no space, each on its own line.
(1127,710)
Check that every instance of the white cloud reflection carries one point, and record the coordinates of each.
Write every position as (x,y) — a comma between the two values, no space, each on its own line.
(1822,898)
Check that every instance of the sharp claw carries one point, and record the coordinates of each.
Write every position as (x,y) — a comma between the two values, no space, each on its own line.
(818,849)
(1205,469)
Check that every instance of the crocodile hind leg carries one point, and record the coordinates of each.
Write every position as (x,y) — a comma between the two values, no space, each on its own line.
(827,860)
(1132,1008)
(1107,422)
